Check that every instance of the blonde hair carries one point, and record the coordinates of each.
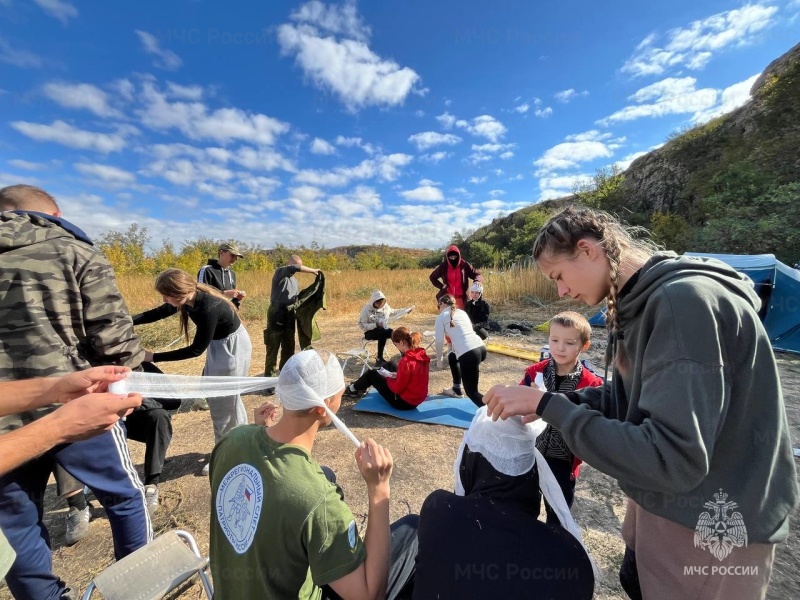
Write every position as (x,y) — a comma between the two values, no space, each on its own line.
(179,284)
(576,321)
(561,234)
(450,301)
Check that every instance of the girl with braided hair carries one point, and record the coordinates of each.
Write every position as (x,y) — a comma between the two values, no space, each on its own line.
(693,423)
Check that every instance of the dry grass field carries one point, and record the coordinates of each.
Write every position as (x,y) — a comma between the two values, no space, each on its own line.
(423,454)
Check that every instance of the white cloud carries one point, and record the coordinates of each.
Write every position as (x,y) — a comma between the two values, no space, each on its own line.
(625,162)
(81,96)
(446,120)
(543,112)
(58,9)
(485,152)
(732,97)
(164,59)
(568,155)
(350,142)
(26,165)
(593,135)
(429,139)
(345,65)
(386,168)
(195,120)
(667,97)
(62,133)
(517,177)
(7,179)
(424,193)
(477,180)
(570,94)
(693,46)
(435,157)
(363,200)
(419,113)
(427,181)
(496,193)
(320,146)
(498,172)
(18,58)
(184,92)
(105,172)
(483,126)
(340,20)
(522,108)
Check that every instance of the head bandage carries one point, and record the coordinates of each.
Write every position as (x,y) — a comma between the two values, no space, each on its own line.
(510,447)
(477,286)
(307,379)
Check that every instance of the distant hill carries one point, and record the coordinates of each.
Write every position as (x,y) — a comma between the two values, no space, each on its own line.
(730,185)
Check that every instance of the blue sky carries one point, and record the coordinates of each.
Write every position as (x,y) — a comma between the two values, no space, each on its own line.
(351,123)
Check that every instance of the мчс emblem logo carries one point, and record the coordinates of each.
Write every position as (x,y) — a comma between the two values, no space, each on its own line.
(720,532)
(238,504)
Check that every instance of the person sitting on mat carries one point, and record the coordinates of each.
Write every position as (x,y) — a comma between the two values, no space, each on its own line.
(407,388)
(374,322)
(478,310)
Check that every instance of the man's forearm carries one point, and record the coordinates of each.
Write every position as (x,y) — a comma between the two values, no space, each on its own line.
(26,443)
(377,541)
(29,394)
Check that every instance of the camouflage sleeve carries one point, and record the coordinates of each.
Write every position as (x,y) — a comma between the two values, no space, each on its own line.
(106,320)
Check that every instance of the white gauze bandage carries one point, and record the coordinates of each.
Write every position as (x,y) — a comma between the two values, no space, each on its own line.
(307,379)
(160,385)
(510,447)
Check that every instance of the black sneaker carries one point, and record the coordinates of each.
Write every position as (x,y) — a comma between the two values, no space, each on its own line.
(352,393)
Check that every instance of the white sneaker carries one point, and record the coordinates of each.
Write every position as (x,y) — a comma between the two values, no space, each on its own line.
(452,393)
(151,498)
(206,468)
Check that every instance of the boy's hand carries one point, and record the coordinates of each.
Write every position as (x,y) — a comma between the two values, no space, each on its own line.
(375,463)
(74,385)
(503,401)
(266,414)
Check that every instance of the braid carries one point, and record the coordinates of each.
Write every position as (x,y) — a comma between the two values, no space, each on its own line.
(614,255)
(450,301)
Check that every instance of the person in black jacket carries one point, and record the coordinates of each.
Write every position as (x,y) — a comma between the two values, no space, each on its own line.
(218,274)
(220,334)
(477,310)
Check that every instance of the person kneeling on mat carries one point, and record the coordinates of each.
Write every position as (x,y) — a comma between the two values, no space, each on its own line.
(408,387)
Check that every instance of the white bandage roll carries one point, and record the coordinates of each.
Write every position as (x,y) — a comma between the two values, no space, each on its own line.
(119,387)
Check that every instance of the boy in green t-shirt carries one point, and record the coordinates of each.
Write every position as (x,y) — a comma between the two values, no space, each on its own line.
(279,525)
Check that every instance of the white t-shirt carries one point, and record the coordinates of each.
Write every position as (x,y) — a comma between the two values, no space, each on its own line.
(462,337)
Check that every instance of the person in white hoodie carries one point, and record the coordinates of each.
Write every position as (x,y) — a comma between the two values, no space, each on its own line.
(467,350)
(374,322)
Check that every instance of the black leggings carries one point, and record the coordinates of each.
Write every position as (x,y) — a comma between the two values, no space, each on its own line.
(378,381)
(381,335)
(467,367)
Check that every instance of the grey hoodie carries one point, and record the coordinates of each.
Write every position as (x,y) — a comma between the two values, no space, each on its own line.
(695,405)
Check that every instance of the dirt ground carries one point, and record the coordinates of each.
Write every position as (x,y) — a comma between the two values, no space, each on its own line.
(423,455)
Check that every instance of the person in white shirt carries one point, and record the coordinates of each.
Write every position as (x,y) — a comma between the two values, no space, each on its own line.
(467,351)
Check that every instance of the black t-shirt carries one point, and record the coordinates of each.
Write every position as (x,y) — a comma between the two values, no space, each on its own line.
(475,547)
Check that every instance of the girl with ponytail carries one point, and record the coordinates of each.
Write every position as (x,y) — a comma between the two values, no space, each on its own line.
(408,387)
(693,423)
(220,334)
(467,351)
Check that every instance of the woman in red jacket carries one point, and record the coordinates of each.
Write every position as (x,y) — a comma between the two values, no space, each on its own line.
(408,387)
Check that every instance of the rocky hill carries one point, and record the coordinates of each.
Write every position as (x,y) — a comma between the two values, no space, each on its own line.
(729,185)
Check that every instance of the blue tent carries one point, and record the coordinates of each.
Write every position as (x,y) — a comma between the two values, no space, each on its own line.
(776,283)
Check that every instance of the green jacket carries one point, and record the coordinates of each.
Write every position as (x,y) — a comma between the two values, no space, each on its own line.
(697,409)
(308,303)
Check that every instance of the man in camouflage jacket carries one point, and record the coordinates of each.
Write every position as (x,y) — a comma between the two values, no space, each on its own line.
(61,311)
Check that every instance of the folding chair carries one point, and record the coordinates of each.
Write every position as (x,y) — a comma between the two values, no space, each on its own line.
(153,570)
(361,355)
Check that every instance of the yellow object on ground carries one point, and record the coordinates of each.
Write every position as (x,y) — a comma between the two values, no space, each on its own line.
(531,355)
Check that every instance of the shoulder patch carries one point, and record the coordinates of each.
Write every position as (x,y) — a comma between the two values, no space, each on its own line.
(351,534)
(238,505)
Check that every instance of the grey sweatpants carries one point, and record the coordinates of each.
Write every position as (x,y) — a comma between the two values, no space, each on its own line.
(228,356)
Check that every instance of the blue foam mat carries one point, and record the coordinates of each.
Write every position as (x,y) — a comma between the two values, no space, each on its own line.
(438,410)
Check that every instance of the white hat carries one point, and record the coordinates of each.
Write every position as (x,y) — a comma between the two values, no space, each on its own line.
(477,286)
